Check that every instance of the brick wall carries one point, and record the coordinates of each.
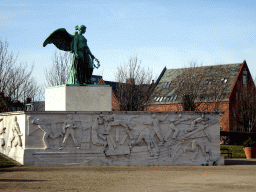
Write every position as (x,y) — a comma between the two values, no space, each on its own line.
(115,103)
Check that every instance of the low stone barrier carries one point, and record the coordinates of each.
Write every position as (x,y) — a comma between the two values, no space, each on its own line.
(111,138)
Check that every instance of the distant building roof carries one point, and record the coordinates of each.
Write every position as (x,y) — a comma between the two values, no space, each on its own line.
(167,88)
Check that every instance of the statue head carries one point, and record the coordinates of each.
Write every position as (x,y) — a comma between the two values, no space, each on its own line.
(81,28)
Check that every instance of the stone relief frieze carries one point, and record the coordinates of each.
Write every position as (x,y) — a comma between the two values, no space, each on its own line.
(120,137)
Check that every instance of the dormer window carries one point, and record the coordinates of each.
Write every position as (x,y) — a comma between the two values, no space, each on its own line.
(244,71)
(223,80)
(181,83)
(167,84)
(244,79)
(208,82)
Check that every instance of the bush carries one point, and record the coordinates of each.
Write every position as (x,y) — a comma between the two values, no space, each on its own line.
(249,143)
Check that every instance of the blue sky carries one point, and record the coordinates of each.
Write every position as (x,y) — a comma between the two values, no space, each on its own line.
(161,33)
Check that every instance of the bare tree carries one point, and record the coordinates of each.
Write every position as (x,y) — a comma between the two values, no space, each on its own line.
(244,111)
(197,85)
(16,81)
(59,71)
(133,85)
(190,86)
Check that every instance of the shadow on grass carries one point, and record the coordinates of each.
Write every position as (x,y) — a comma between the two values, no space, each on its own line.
(6,166)
(240,162)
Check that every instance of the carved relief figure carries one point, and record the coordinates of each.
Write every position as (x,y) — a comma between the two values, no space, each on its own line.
(47,132)
(156,128)
(68,129)
(96,122)
(201,119)
(113,120)
(195,145)
(15,139)
(2,132)
(172,127)
(147,135)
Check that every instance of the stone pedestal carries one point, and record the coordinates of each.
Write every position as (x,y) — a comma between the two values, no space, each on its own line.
(78,98)
(113,138)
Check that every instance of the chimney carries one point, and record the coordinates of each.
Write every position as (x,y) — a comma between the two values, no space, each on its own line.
(153,81)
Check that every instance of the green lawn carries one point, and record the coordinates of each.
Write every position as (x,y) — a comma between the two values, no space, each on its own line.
(5,163)
(237,151)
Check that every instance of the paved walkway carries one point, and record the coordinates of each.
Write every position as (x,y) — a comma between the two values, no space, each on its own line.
(236,175)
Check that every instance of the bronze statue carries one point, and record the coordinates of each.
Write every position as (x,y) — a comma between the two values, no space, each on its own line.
(83,60)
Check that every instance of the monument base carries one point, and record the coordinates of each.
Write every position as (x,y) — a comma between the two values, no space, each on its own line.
(111,138)
(78,98)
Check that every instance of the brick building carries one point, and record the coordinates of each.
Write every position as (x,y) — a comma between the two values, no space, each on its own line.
(229,77)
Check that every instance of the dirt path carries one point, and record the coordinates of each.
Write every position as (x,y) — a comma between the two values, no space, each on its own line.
(233,177)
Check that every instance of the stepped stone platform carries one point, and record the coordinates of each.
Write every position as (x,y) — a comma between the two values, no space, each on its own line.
(74,138)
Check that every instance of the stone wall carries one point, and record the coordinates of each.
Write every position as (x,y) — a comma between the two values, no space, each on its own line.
(111,138)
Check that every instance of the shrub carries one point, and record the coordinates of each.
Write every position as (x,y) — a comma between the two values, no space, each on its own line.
(249,143)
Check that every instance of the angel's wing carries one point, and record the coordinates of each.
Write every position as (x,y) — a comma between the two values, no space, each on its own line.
(61,39)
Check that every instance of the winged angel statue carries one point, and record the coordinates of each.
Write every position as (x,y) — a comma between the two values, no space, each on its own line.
(83,60)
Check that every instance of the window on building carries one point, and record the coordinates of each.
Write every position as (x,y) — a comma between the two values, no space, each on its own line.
(244,71)
(181,83)
(161,99)
(165,84)
(164,99)
(157,99)
(223,80)
(236,96)
(171,98)
(244,79)
(175,97)
(168,84)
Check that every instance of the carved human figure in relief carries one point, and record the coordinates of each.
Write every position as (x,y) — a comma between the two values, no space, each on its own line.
(156,127)
(147,136)
(195,145)
(173,128)
(68,129)
(47,132)
(201,119)
(114,120)
(15,139)
(2,132)
(95,140)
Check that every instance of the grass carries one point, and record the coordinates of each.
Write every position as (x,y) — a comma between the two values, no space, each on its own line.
(237,151)
(5,163)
